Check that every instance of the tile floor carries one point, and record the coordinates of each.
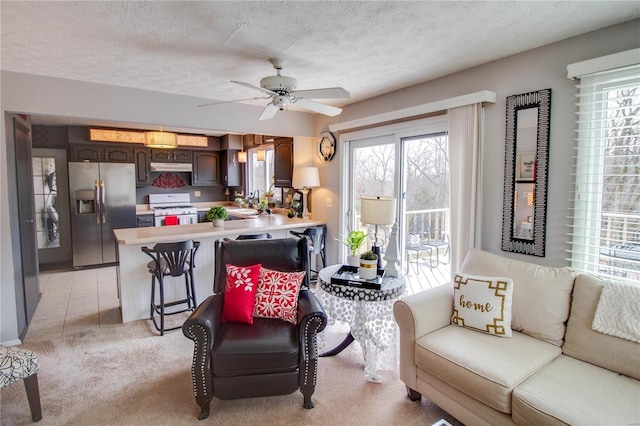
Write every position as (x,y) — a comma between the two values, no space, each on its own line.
(75,301)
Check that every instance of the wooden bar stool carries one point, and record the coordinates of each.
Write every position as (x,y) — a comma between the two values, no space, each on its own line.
(174,260)
(21,364)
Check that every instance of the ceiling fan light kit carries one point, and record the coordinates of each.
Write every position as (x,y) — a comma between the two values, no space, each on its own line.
(282,91)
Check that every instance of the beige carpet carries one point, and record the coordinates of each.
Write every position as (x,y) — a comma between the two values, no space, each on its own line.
(128,375)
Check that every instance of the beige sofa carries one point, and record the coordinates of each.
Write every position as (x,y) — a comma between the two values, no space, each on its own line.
(545,373)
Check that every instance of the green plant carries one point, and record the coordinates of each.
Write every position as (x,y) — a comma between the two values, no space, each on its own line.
(353,241)
(217,213)
(239,200)
(369,255)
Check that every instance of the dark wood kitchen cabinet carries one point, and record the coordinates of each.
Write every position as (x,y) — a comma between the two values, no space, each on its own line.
(231,169)
(104,153)
(171,155)
(142,159)
(283,162)
(206,168)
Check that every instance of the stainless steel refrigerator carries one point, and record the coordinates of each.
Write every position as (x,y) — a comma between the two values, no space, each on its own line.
(103,198)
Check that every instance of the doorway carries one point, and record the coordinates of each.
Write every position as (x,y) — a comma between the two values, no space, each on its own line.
(410,163)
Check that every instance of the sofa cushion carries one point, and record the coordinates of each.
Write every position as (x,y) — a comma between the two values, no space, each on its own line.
(541,294)
(482,304)
(575,392)
(582,342)
(486,368)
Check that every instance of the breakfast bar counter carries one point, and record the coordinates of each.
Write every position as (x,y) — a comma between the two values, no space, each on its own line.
(134,280)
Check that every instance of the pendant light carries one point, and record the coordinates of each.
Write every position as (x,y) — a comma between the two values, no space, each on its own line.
(163,140)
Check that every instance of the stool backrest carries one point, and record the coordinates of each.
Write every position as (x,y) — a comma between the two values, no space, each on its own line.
(281,254)
(316,235)
(174,255)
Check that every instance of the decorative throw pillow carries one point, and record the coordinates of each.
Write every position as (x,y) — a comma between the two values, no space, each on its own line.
(483,304)
(277,295)
(240,293)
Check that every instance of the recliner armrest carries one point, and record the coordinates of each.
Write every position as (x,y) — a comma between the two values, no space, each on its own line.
(309,308)
(204,323)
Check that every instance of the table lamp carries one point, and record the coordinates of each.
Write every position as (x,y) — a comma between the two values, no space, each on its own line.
(303,179)
(377,211)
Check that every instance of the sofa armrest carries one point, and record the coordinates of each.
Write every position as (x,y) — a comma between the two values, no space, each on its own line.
(418,315)
(202,327)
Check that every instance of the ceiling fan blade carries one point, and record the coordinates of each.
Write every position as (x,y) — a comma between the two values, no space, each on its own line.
(326,93)
(254,87)
(237,100)
(269,112)
(318,107)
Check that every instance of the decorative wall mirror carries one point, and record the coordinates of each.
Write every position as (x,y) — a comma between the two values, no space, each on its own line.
(525,173)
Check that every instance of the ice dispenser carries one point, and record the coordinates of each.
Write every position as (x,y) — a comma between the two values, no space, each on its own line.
(85,201)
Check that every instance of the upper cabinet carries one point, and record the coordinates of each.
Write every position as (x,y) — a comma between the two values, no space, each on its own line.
(206,168)
(171,155)
(104,153)
(231,169)
(142,158)
(283,162)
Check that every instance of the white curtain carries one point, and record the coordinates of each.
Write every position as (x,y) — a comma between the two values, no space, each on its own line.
(465,157)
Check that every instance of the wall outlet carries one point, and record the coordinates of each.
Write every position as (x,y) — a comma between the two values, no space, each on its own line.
(196,194)
(329,202)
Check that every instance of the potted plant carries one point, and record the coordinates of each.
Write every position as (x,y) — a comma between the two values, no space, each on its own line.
(217,215)
(353,241)
(368,265)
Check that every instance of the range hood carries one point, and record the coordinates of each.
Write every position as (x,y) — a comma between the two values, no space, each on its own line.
(171,167)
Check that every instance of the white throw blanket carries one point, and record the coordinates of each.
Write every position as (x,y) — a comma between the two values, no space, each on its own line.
(618,311)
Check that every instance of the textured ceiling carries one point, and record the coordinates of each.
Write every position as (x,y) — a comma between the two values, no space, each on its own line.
(196,48)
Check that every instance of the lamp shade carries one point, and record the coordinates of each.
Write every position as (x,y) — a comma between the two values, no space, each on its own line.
(305,177)
(161,139)
(242,157)
(378,210)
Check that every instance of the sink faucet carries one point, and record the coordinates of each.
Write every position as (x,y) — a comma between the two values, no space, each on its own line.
(257,195)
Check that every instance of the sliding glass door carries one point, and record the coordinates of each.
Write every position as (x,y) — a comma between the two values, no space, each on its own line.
(412,166)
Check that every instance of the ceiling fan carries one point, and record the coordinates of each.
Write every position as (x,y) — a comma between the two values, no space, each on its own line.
(282,91)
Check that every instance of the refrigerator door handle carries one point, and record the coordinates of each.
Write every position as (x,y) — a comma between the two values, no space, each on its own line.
(103,205)
(96,200)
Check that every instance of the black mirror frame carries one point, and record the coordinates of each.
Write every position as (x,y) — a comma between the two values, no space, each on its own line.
(542,100)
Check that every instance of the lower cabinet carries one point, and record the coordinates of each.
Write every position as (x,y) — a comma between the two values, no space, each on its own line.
(145,221)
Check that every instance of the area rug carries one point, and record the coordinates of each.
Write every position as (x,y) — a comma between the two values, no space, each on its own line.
(129,375)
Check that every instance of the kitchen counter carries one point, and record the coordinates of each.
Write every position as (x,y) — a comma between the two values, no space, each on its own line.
(134,279)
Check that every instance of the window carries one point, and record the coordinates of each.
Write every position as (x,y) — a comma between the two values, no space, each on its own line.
(260,173)
(606,220)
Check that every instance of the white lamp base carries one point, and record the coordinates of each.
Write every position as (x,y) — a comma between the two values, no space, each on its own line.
(305,211)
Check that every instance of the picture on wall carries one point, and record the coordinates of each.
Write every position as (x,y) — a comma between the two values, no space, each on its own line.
(526,166)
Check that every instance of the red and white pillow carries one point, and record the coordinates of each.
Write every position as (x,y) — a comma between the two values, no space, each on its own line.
(240,293)
(277,295)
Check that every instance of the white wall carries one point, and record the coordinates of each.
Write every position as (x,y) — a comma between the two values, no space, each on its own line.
(537,69)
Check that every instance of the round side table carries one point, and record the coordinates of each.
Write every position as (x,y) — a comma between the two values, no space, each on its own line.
(369,314)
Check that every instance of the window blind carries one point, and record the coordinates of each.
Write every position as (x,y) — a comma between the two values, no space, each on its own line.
(605,229)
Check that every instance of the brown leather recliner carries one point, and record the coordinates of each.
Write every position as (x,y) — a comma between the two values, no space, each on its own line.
(271,356)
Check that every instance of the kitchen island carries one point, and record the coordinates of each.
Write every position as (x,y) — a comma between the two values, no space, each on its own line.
(134,280)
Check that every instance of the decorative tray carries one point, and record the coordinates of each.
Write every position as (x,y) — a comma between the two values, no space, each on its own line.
(348,275)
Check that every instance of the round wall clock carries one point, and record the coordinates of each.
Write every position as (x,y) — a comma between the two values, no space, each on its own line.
(326,146)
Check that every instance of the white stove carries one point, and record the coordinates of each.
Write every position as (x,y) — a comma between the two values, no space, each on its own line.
(172,209)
